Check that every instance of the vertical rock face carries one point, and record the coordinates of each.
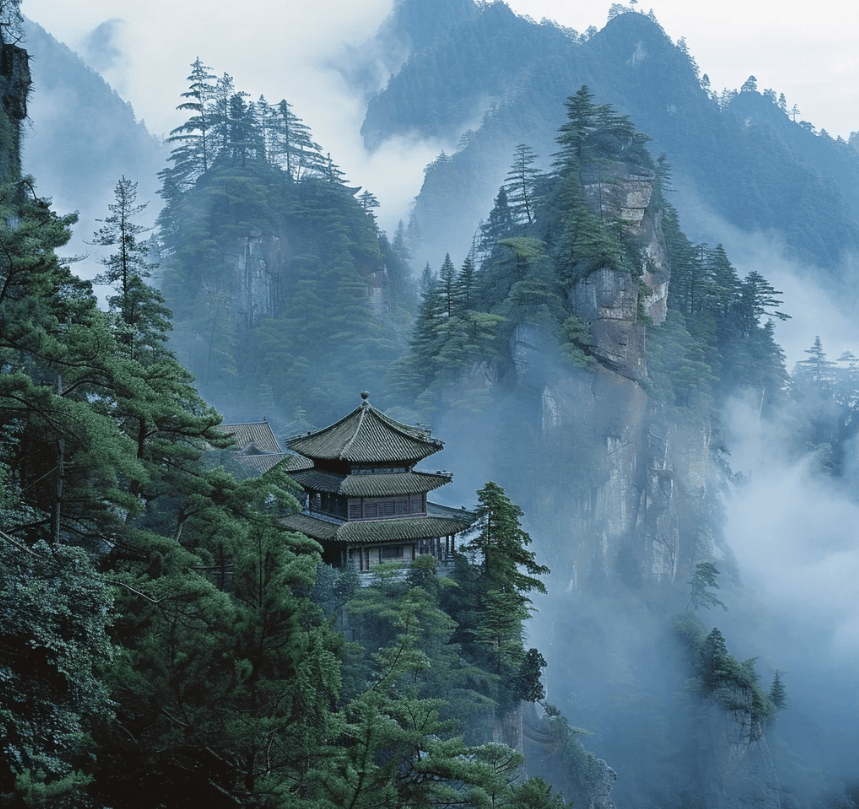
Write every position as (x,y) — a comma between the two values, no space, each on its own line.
(552,754)
(259,280)
(639,475)
(607,301)
(256,264)
(630,506)
(14,87)
(737,770)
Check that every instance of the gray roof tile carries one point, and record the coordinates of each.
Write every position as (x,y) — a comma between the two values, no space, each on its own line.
(255,435)
(368,436)
(368,532)
(383,485)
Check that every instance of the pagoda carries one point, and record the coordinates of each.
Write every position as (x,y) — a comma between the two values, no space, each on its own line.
(364,501)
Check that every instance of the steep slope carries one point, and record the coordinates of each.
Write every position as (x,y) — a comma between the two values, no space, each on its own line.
(82,137)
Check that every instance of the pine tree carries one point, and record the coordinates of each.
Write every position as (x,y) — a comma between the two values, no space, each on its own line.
(574,132)
(446,286)
(520,185)
(142,310)
(499,225)
(465,288)
(700,595)
(194,153)
(508,573)
(292,146)
(778,693)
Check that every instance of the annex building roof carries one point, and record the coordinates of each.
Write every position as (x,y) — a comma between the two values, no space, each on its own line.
(253,437)
(367,436)
(258,450)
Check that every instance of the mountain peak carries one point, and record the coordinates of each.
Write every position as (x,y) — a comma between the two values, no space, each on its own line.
(423,23)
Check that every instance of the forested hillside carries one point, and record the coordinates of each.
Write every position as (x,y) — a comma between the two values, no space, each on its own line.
(81,137)
(285,292)
(163,640)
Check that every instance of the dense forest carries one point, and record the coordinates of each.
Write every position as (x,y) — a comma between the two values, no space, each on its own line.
(164,641)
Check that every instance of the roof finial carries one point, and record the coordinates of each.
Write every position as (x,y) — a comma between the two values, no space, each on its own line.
(365,395)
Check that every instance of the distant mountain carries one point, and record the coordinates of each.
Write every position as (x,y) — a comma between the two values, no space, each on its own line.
(742,154)
(81,136)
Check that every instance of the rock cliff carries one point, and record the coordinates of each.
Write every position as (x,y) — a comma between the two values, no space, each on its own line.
(625,490)
(14,87)
(640,478)
(736,768)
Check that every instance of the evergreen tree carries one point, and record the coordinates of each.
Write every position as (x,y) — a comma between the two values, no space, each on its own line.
(140,308)
(502,546)
(507,573)
(447,286)
(700,595)
(194,153)
(520,185)
(777,692)
(499,225)
(292,146)
(574,132)
(465,288)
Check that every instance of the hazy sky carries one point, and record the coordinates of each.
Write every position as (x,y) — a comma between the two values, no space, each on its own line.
(275,47)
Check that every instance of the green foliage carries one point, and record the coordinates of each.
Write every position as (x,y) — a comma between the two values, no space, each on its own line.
(722,320)
(450,335)
(491,602)
(778,693)
(700,595)
(677,366)
(522,180)
(578,342)
(721,677)
(409,690)
(55,613)
(248,188)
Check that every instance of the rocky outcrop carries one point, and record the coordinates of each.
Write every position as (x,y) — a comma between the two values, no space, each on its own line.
(14,88)
(637,480)
(256,263)
(736,770)
(607,301)
(555,754)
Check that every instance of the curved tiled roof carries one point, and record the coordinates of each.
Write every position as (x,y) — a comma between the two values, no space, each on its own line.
(368,436)
(367,532)
(370,531)
(262,463)
(311,527)
(257,435)
(382,485)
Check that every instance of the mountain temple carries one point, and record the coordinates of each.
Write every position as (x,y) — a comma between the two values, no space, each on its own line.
(364,501)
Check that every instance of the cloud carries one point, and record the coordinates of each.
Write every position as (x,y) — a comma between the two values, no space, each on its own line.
(101,47)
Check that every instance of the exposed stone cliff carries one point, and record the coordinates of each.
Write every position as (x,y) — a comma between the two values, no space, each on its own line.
(736,768)
(14,87)
(625,489)
(639,479)
(553,753)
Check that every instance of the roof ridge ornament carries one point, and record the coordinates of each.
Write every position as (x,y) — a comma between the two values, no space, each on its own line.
(349,443)
(365,398)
